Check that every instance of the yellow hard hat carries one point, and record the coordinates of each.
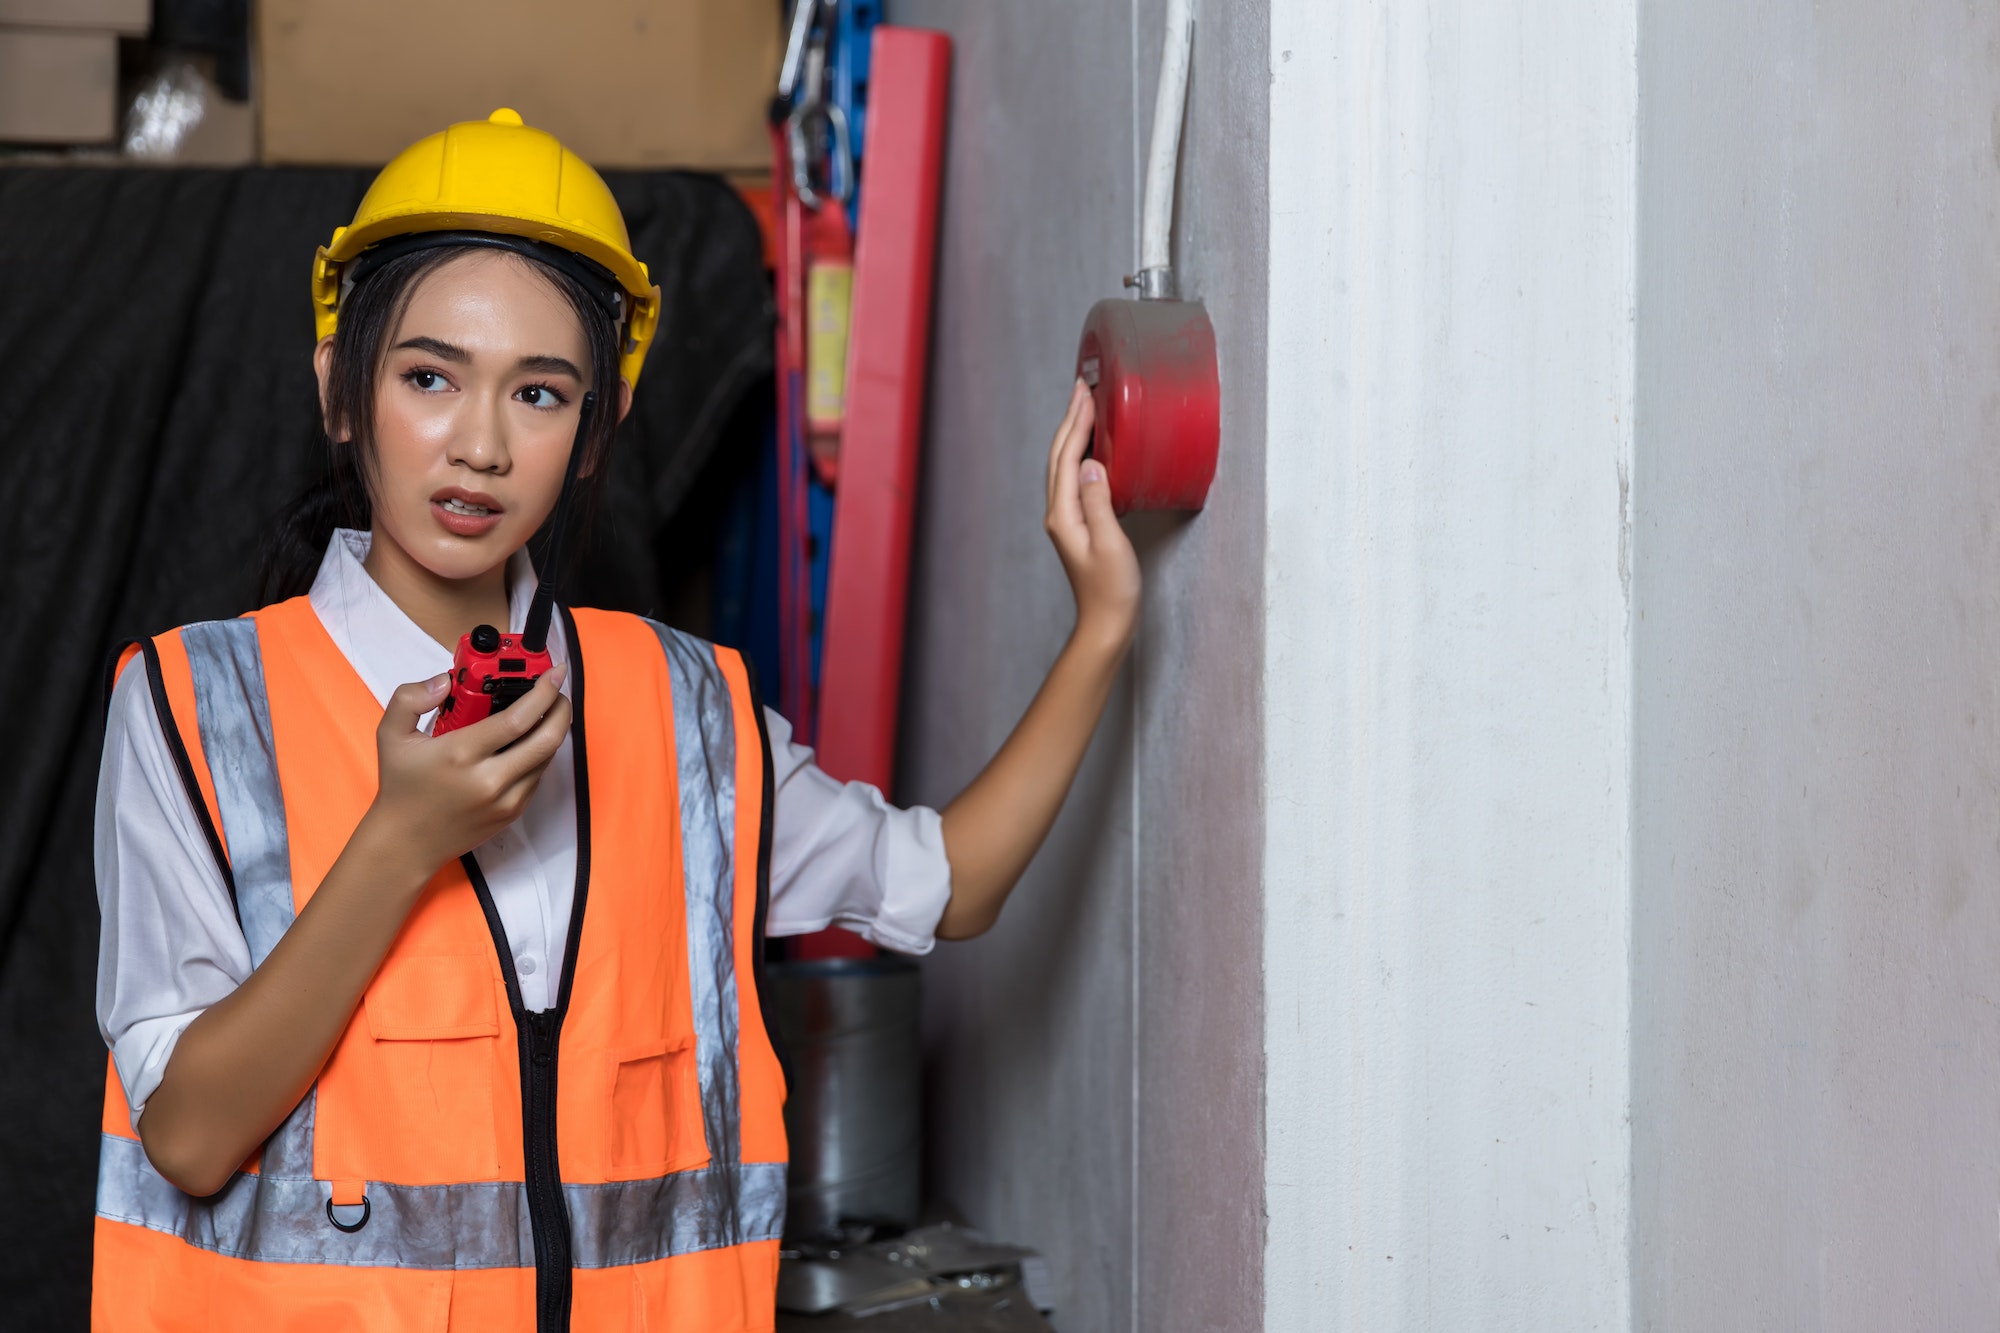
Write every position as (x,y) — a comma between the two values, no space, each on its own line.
(497,182)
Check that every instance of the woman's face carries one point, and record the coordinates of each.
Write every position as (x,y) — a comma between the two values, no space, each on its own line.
(476,406)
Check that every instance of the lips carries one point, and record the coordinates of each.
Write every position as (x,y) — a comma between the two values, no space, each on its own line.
(466,513)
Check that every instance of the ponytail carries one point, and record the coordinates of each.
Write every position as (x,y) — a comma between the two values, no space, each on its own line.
(297,540)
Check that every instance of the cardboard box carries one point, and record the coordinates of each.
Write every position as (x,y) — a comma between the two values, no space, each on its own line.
(58,86)
(226,135)
(624,83)
(130,18)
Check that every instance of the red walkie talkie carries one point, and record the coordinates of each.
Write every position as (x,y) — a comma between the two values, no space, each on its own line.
(491,670)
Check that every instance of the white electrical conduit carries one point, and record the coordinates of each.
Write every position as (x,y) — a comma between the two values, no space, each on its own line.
(1156,220)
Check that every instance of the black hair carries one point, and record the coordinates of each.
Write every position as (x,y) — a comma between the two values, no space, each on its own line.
(369,314)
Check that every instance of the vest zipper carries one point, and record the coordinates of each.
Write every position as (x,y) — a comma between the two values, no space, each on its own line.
(539,1040)
(548,1212)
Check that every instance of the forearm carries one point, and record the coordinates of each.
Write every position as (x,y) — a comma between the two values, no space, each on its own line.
(996,825)
(240,1068)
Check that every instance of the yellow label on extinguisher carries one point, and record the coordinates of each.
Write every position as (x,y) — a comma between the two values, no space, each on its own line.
(829,301)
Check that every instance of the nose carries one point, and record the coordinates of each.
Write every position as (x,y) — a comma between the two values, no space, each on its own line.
(479,437)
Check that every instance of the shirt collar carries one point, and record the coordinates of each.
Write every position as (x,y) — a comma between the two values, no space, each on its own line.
(383,645)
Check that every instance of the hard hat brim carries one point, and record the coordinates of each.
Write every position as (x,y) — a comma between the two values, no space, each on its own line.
(599,281)
(636,313)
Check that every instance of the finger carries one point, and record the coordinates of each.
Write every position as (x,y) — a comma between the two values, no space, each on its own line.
(536,746)
(1076,392)
(1065,506)
(1079,394)
(1098,513)
(547,735)
(504,728)
(412,701)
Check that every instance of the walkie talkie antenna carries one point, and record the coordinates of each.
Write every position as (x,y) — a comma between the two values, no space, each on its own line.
(535,635)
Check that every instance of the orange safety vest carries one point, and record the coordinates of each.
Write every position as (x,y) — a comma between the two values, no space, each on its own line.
(616,1162)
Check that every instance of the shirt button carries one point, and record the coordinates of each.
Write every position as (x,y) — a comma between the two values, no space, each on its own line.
(527,967)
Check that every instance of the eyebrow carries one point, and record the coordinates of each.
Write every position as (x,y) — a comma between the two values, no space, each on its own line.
(550,365)
(444,351)
(437,347)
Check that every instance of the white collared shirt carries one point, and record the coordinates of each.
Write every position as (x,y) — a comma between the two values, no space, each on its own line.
(171,946)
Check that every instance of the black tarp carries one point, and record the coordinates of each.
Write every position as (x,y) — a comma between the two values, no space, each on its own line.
(156,399)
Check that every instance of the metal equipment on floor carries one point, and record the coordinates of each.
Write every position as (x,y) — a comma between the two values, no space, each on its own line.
(853,1053)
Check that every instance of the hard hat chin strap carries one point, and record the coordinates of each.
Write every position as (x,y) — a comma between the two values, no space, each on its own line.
(594,277)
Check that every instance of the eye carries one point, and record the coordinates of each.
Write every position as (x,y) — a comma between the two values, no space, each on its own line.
(541,395)
(426,381)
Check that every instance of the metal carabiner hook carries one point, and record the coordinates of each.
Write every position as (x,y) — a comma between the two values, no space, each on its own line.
(817,138)
(838,145)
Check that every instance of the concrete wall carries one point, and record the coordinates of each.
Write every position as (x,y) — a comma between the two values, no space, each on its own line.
(1817,1016)
(1446,698)
(1596,591)
(1095,1061)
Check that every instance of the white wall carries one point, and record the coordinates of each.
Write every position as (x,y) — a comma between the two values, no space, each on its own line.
(1446,691)
(1817,1017)
(1095,1061)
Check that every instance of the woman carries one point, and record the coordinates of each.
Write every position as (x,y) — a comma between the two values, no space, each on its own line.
(416,1031)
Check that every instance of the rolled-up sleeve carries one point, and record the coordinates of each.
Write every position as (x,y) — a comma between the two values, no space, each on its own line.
(841,855)
(169,946)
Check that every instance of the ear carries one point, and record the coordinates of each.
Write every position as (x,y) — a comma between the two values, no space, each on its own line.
(323,368)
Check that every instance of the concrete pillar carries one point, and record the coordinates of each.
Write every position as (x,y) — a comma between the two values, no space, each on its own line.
(1446,683)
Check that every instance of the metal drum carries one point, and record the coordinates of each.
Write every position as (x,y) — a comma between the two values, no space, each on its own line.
(852,1049)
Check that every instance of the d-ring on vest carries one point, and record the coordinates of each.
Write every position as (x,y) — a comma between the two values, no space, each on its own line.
(617,1161)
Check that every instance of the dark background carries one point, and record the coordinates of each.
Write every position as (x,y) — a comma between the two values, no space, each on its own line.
(156,409)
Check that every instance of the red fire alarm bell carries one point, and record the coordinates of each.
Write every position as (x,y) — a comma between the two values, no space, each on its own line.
(1151,367)
(1150,363)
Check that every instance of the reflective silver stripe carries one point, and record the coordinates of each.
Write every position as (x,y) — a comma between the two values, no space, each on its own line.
(233,712)
(705,750)
(478,1225)
(234,716)
(637,1221)
(284,1220)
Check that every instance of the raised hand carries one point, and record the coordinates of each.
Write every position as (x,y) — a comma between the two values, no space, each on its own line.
(1103,569)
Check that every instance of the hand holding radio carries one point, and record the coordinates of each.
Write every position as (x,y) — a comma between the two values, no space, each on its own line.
(440,797)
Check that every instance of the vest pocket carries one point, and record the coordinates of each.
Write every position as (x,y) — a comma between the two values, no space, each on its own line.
(409,1093)
(655,1110)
